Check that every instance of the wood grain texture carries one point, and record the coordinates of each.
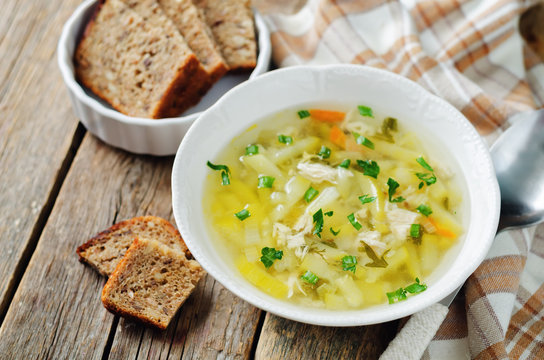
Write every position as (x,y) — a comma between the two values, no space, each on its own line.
(36,129)
(212,324)
(285,339)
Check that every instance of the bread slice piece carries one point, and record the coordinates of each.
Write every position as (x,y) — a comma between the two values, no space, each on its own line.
(150,283)
(192,25)
(201,81)
(138,67)
(232,25)
(104,251)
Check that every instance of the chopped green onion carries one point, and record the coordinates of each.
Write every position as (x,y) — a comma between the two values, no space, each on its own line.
(349,263)
(318,221)
(396,296)
(242,214)
(345,164)
(324,152)
(354,222)
(252,149)
(224,172)
(329,213)
(310,277)
(365,111)
(284,139)
(423,163)
(376,261)
(265,182)
(365,199)
(269,255)
(334,232)
(416,287)
(424,209)
(361,140)
(393,185)
(370,168)
(400,293)
(415,231)
(303,114)
(310,194)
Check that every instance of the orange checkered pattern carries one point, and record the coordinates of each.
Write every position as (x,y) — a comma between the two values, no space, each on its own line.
(470,53)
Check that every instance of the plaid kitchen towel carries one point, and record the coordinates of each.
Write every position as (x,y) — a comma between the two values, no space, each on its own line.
(470,53)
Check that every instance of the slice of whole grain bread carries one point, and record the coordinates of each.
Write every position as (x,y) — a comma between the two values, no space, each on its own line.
(192,25)
(150,283)
(233,28)
(138,67)
(104,251)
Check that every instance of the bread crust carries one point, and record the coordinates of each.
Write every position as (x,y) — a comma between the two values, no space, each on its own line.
(125,229)
(136,254)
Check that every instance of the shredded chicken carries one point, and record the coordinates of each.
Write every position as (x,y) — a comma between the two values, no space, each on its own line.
(400,221)
(374,240)
(291,282)
(295,238)
(353,124)
(317,173)
(362,214)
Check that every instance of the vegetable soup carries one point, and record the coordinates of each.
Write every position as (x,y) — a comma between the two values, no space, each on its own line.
(333,209)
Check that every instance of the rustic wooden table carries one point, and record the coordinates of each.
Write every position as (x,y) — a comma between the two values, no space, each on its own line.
(59,185)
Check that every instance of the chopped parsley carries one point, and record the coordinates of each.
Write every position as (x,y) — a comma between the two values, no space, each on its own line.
(310,277)
(242,214)
(425,178)
(284,139)
(224,172)
(424,209)
(269,255)
(334,232)
(252,149)
(365,199)
(401,294)
(318,221)
(370,168)
(361,140)
(265,182)
(376,261)
(303,114)
(354,222)
(423,163)
(345,164)
(349,263)
(324,152)
(393,186)
(310,194)
(365,111)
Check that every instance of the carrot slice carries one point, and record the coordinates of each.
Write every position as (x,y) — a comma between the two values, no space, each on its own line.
(328,116)
(338,137)
(440,230)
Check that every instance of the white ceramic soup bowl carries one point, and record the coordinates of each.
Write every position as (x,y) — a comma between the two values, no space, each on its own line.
(439,123)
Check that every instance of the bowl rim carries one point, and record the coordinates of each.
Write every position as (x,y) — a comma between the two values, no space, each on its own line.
(337,318)
(65,62)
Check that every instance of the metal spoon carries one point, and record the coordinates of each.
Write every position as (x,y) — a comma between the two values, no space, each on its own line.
(518,157)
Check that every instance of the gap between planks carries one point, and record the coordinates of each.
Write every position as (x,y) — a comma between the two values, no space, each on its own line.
(41,221)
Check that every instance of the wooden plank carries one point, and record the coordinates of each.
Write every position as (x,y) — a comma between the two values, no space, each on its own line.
(36,131)
(281,339)
(56,311)
(57,306)
(212,324)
